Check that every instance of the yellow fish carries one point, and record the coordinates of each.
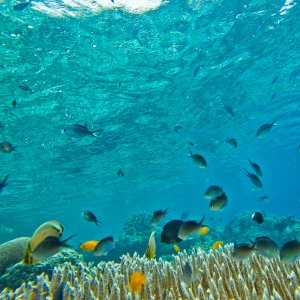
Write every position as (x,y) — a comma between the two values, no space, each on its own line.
(203,230)
(176,248)
(151,248)
(217,244)
(47,229)
(89,246)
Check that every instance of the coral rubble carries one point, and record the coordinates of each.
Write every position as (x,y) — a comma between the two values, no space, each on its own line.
(216,275)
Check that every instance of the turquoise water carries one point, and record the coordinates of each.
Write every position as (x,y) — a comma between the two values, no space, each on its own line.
(152,82)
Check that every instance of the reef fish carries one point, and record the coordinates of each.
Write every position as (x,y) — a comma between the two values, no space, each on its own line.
(82,130)
(264,198)
(187,273)
(6,229)
(158,216)
(254,179)
(6,147)
(188,228)
(290,251)
(232,142)
(213,191)
(229,109)
(21,6)
(89,246)
(203,231)
(199,160)
(47,229)
(169,234)
(47,248)
(23,86)
(219,203)
(151,248)
(120,173)
(264,129)
(256,168)
(3,183)
(176,248)
(104,246)
(217,244)
(266,247)
(258,217)
(90,217)
(242,251)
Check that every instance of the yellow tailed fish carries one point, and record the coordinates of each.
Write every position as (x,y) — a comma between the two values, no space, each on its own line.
(151,248)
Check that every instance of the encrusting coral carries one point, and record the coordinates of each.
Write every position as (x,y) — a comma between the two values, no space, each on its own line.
(216,275)
(12,252)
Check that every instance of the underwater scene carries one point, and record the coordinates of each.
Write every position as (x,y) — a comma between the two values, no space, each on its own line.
(149,149)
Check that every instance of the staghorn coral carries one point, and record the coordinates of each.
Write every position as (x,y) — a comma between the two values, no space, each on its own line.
(216,276)
(12,252)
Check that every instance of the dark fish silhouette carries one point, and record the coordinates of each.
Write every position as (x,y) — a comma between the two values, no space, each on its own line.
(242,251)
(23,86)
(254,179)
(264,129)
(6,147)
(264,198)
(83,130)
(266,247)
(219,202)
(90,217)
(169,234)
(120,173)
(256,168)
(196,71)
(290,251)
(213,191)
(3,182)
(188,228)
(158,216)
(258,217)
(232,142)
(199,160)
(21,5)
(229,109)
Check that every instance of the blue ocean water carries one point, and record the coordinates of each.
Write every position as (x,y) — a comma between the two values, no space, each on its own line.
(153,82)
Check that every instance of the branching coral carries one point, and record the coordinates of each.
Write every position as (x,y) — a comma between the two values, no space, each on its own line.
(216,276)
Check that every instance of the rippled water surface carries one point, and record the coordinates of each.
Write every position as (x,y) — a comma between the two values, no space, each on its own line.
(153,82)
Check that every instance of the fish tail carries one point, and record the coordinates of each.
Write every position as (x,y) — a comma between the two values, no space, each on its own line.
(97,222)
(3,183)
(250,161)
(247,172)
(274,123)
(191,153)
(166,210)
(93,133)
(63,243)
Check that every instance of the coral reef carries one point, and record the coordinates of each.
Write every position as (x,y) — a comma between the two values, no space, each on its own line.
(216,275)
(280,229)
(12,252)
(18,273)
(138,224)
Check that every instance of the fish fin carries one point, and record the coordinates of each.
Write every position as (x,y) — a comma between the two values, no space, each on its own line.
(247,172)
(274,123)
(63,243)
(202,221)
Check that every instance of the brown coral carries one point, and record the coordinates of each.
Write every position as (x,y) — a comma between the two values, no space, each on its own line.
(216,276)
